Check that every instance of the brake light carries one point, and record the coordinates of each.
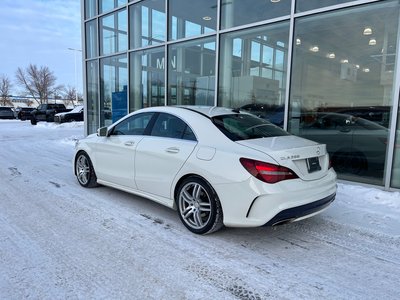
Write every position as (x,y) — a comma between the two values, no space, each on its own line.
(266,172)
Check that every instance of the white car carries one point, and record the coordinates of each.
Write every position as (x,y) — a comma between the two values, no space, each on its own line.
(215,166)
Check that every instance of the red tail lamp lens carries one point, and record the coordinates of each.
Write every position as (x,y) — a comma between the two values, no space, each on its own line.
(266,172)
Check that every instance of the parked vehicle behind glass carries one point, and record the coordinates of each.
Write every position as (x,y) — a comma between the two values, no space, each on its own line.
(356,145)
(215,166)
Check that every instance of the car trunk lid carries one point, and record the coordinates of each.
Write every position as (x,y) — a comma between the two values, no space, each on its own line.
(308,159)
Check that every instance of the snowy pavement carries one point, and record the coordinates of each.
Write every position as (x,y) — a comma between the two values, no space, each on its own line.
(59,240)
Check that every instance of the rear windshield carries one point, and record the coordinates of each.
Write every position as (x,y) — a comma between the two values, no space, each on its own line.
(238,127)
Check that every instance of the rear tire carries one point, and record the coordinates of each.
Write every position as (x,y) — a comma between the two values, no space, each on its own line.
(84,171)
(198,206)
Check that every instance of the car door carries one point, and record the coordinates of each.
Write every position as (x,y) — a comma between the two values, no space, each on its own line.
(115,155)
(161,155)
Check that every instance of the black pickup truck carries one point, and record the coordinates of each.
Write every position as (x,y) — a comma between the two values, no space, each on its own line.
(46,112)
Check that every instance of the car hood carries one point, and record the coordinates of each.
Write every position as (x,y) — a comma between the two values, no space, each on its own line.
(293,152)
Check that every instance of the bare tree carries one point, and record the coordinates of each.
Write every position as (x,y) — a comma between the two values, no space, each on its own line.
(38,82)
(69,95)
(5,88)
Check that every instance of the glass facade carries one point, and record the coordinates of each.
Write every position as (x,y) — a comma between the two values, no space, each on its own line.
(341,87)
(191,72)
(92,95)
(147,23)
(107,5)
(113,89)
(191,18)
(304,5)
(324,70)
(91,39)
(114,33)
(252,70)
(147,73)
(241,12)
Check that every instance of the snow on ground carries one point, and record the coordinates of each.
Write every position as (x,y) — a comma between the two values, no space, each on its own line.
(59,240)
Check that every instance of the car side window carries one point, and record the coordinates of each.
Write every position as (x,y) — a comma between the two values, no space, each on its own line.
(170,126)
(135,125)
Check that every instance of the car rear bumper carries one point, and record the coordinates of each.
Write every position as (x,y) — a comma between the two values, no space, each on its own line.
(253,203)
(301,212)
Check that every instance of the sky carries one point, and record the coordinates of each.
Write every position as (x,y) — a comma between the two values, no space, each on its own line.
(40,32)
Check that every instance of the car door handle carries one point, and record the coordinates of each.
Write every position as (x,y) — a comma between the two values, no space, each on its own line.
(172,150)
(130,143)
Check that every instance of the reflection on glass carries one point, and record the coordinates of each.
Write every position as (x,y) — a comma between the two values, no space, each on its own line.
(252,70)
(147,23)
(241,12)
(344,100)
(107,5)
(191,73)
(191,18)
(147,78)
(113,33)
(91,39)
(90,8)
(92,95)
(396,163)
(303,5)
(114,82)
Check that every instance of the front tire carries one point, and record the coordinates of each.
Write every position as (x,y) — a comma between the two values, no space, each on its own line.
(33,121)
(198,206)
(84,171)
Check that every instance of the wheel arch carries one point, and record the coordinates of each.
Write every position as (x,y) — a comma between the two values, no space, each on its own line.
(179,182)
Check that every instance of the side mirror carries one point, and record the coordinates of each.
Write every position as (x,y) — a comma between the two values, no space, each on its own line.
(103,131)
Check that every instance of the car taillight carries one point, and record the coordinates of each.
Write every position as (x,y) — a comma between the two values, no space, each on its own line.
(267,172)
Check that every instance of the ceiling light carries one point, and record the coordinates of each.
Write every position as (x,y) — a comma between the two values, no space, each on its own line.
(331,55)
(357,66)
(367,31)
(298,41)
(275,1)
(372,42)
(344,61)
(314,49)
(207,18)
(366,70)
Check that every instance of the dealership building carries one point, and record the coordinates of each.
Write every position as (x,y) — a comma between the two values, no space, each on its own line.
(324,70)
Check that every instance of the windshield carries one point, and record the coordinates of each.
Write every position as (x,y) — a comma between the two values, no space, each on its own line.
(239,127)
(76,109)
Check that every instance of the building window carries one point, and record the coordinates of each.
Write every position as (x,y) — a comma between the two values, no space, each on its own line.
(147,78)
(92,83)
(191,18)
(113,93)
(241,12)
(113,33)
(304,5)
(90,9)
(252,70)
(91,39)
(147,23)
(191,72)
(107,5)
(396,162)
(342,84)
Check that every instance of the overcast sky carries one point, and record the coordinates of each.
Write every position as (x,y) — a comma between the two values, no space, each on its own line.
(40,32)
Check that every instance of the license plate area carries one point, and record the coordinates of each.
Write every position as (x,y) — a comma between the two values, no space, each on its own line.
(313,164)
